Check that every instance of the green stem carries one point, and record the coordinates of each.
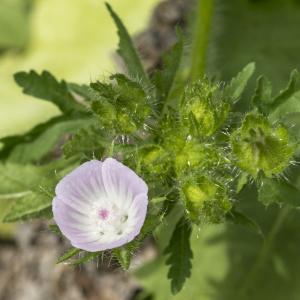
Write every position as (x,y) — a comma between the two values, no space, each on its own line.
(264,252)
(200,42)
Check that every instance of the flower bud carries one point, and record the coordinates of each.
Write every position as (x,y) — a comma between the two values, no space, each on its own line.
(107,112)
(125,124)
(196,155)
(206,200)
(260,146)
(154,159)
(203,108)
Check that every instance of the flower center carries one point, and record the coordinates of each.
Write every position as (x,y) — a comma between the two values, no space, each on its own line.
(103,214)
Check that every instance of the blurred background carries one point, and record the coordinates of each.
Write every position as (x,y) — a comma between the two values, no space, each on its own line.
(75,40)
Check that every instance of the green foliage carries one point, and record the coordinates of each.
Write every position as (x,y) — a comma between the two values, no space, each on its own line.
(123,255)
(87,142)
(25,187)
(68,254)
(11,142)
(46,87)
(180,255)
(238,218)
(261,269)
(238,84)
(32,206)
(287,100)
(165,78)
(46,142)
(86,257)
(127,51)
(278,191)
(31,189)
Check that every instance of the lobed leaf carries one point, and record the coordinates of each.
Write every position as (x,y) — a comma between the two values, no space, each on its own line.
(262,96)
(280,192)
(126,49)
(238,84)
(237,217)
(46,87)
(290,90)
(180,255)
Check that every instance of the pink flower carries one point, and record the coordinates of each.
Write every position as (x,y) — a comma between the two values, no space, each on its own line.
(100,205)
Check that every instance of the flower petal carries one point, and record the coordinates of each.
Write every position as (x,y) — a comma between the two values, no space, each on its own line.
(121,183)
(137,213)
(83,186)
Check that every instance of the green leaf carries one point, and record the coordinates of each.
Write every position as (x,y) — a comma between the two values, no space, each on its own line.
(180,255)
(164,78)
(34,205)
(82,90)
(290,106)
(280,192)
(292,123)
(262,96)
(209,263)
(287,101)
(31,187)
(44,143)
(16,179)
(55,229)
(88,142)
(68,254)
(86,257)
(46,87)
(10,142)
(238,84)
(124,255)
(289,91)
(242,181)
(127,51)
(237,217)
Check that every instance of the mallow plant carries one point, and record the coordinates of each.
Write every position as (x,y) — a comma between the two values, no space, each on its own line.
(128,151)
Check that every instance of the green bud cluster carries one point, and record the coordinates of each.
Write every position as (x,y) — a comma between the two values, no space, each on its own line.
(188,149)
(259,146)
(206,200)
(203,109)
(154,159)
(122,104)
(196,155)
